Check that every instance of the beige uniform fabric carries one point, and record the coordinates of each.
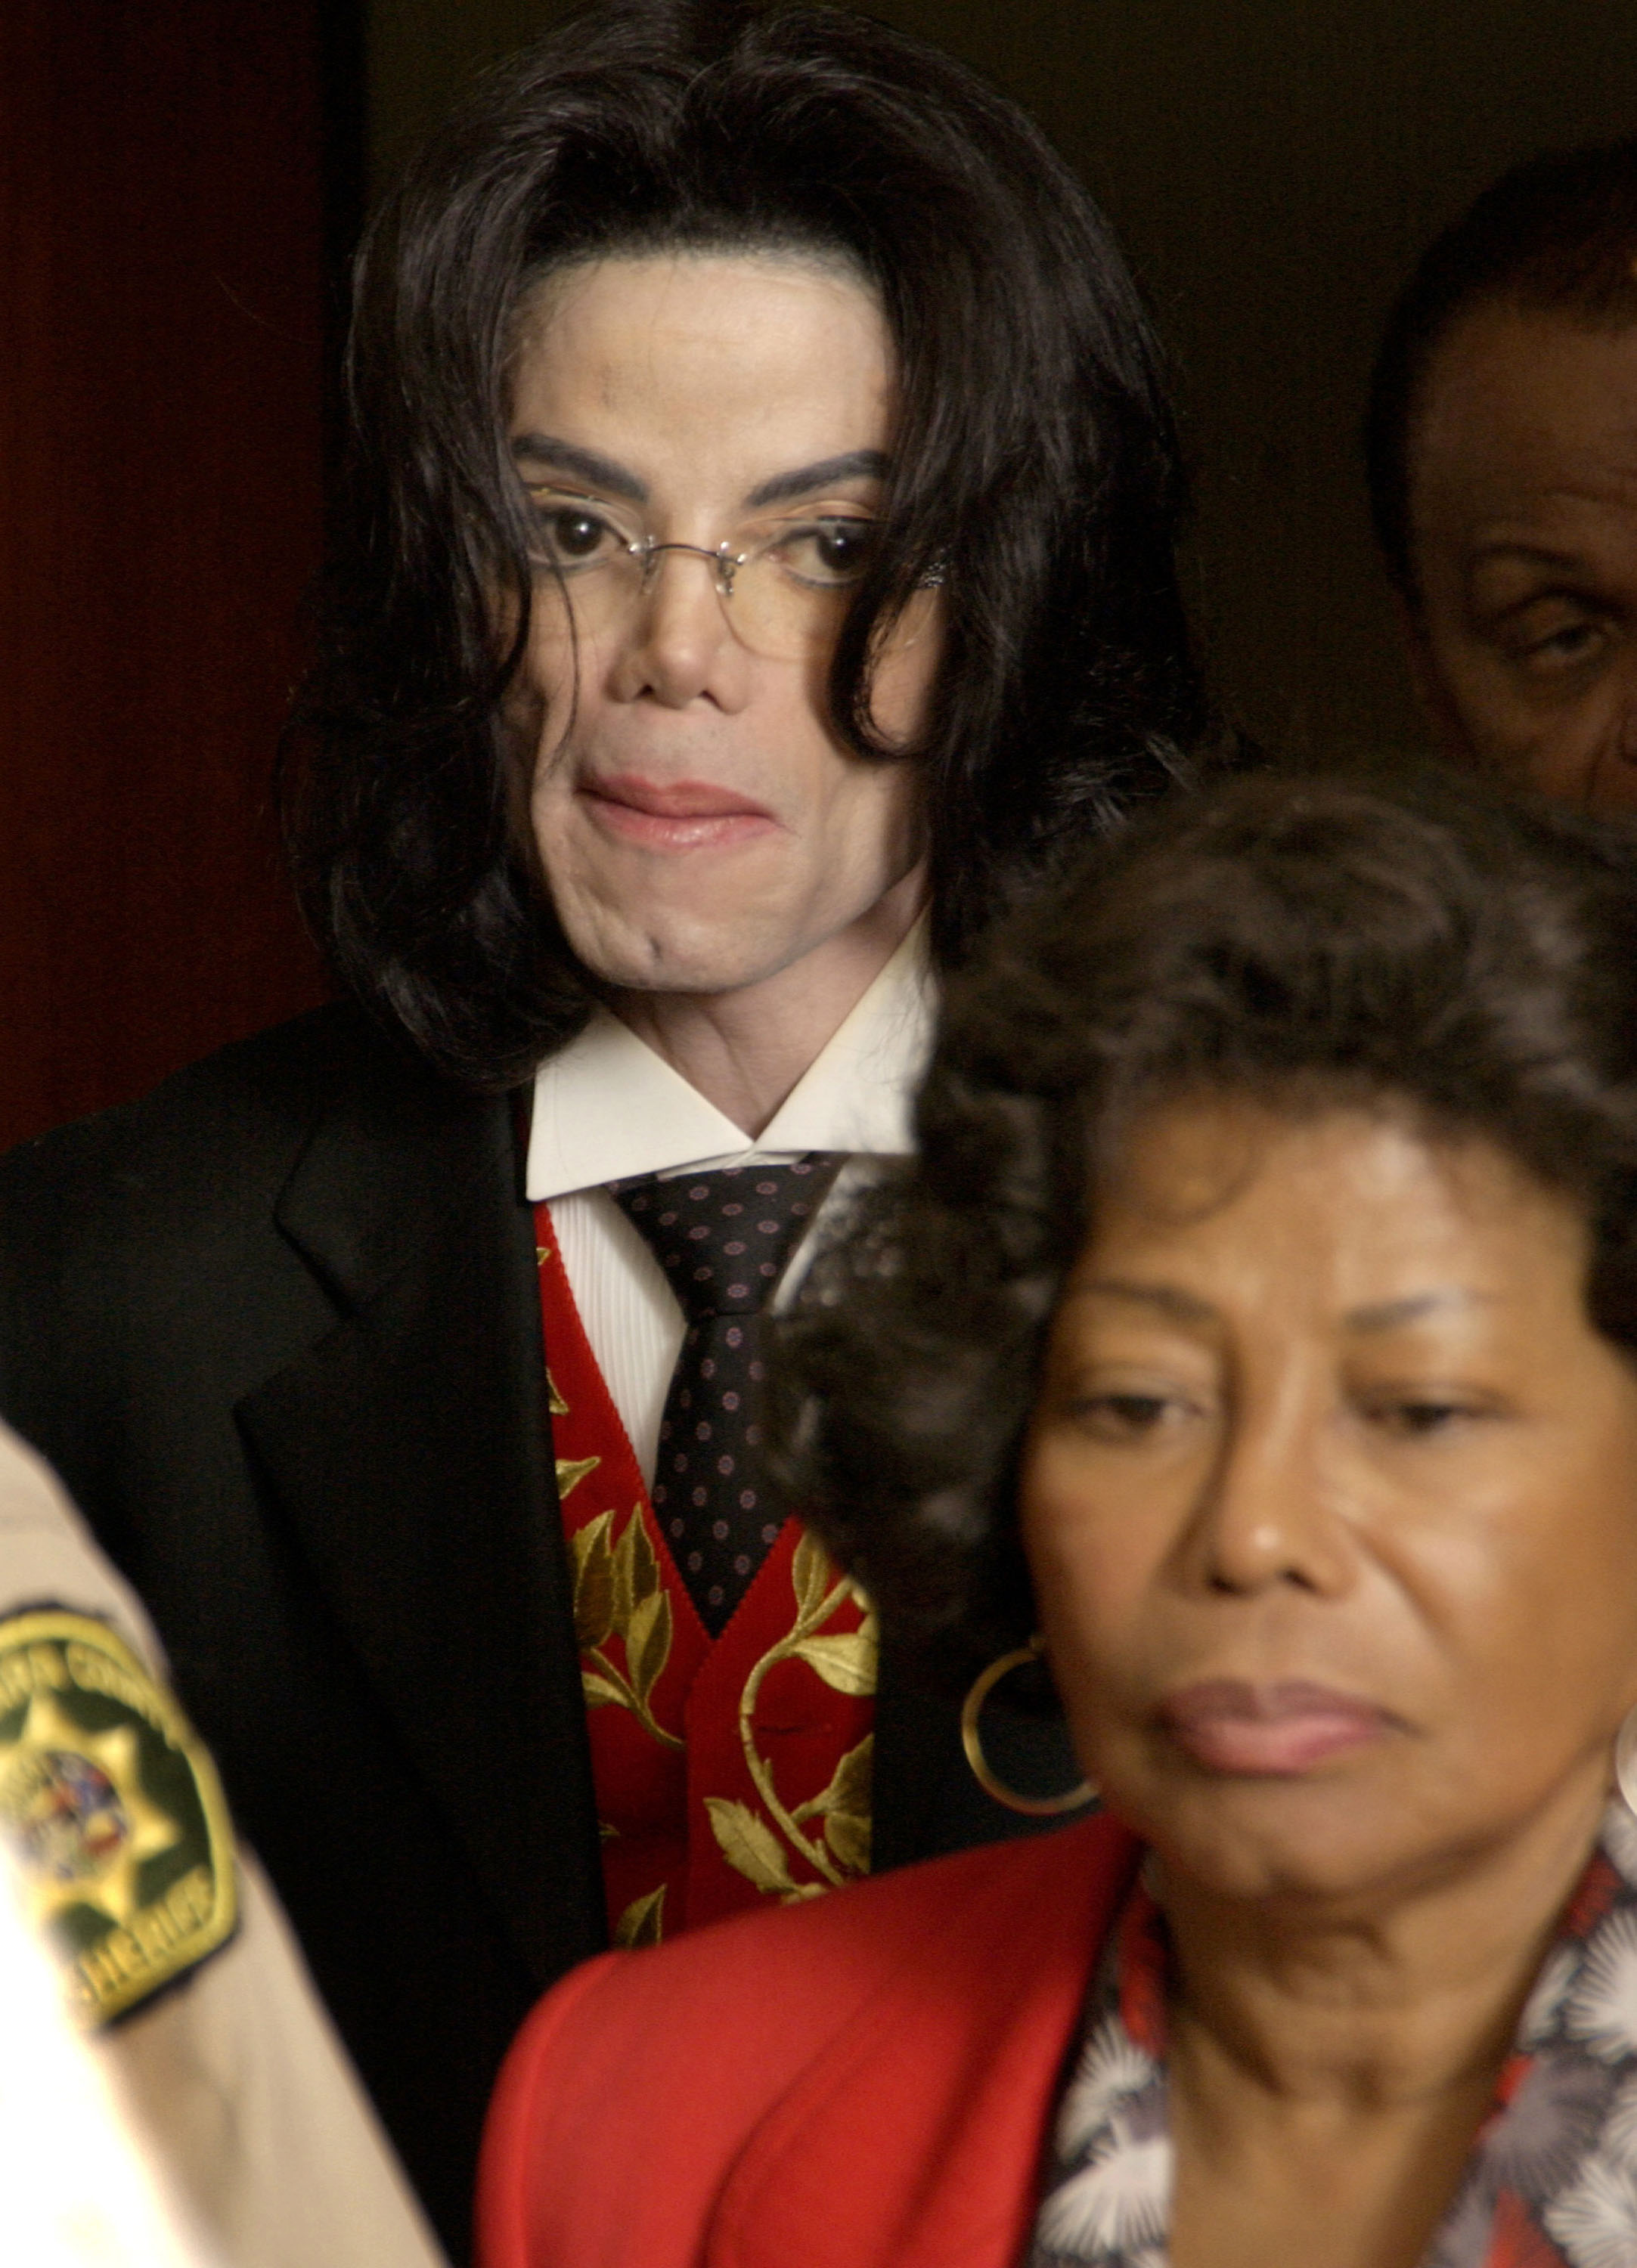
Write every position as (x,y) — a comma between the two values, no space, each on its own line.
(233,2080)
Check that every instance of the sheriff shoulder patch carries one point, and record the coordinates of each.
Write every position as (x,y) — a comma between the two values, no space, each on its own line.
(113,1812)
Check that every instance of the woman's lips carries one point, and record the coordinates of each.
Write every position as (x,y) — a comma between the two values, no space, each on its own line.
(681,815)
(1268,1730)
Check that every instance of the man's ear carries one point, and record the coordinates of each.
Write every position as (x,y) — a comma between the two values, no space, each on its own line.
(1431,692)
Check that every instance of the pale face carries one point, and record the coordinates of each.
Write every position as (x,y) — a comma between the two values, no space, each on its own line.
(1524,515)
(1330,1503)
(700,827)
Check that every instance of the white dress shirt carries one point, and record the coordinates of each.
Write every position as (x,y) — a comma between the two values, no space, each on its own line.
(607,1108)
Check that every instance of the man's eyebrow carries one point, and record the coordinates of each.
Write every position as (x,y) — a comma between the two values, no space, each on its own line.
(1517,547)
(858,464)
(1164,1298)
(588,465)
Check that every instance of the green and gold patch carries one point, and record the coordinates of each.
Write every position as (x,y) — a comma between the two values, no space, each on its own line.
(113,1813)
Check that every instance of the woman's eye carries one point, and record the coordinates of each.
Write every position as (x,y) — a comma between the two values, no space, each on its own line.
(1419,1418)
(828,552)
(1124,1417)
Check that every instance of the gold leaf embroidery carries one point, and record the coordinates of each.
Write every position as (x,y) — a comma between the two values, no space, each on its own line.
(572,1471)
(622,1589)
(847,1664)
(749,1844)
(580,1542)
(642,1922)
(645,1567)
(618,1593)
(849,1789)
(811,1572)
(845,1807)
(555,1402)
(848,1836)
(593,1584)
(648,1641)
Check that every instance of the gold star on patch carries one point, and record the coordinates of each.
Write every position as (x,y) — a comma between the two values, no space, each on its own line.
(75,1804)
(121,1839)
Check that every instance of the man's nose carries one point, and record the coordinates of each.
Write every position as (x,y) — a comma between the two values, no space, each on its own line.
(1607,778)
(680,645)
(1626,725)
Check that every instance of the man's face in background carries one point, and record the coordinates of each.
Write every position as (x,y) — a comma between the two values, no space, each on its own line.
(1523,514)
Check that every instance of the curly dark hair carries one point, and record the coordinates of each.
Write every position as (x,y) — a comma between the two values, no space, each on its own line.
(1557,234)
(1422,946)
(1036,476)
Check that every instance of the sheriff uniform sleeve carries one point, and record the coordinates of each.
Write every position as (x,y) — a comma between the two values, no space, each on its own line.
(174,1956)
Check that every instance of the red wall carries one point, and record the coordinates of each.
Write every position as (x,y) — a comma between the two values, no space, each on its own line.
(162,305)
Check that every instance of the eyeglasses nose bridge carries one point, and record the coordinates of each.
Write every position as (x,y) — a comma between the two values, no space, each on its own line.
(726,563)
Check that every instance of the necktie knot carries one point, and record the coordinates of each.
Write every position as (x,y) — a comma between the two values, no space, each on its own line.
(724,1238)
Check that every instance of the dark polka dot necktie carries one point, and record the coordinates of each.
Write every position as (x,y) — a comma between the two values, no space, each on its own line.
(723,1238)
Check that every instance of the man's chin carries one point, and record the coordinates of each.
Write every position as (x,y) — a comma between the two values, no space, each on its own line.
(696,966)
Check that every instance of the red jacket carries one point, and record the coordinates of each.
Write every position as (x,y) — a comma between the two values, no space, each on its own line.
(862,2081)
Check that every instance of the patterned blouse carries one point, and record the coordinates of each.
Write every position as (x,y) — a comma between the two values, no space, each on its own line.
(1551,2181)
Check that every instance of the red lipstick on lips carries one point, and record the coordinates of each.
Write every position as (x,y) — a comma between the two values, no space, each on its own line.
(675,815)
(1268,1732)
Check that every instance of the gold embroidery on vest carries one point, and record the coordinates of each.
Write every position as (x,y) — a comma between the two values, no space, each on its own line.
(846,1662)
(643,1921)
(572,1471)
(619,1594)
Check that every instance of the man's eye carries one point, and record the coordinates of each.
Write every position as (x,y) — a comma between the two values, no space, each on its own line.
(1574,642)
(1559,645)
(830,553)
(572,535)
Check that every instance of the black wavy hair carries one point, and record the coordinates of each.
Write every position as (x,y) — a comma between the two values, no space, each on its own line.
(1037,475)
(1557,234)
(1423,948)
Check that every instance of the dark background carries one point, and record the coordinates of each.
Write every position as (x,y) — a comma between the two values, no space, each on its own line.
(174,179)
(179,183)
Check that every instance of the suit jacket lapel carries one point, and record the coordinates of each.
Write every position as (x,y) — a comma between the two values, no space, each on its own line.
(409,1452)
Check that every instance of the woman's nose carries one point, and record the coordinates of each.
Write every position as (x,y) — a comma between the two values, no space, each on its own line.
(1270,1511)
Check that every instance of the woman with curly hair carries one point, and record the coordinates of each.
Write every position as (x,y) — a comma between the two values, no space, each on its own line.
(1250,1351)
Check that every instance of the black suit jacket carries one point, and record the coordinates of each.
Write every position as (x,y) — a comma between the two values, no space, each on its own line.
(278,1327)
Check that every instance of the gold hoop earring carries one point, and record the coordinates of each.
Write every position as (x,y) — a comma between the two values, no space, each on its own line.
(1032,1807)
(1625,1760)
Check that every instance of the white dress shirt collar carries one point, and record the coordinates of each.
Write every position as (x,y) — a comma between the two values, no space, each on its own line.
(606,1107)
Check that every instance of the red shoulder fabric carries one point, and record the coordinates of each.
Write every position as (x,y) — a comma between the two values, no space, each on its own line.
(862,2081)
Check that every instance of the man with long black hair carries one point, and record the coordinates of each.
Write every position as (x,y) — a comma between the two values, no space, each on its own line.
(756,561)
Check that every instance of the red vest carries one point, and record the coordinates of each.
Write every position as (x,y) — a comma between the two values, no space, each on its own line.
(726,1771)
